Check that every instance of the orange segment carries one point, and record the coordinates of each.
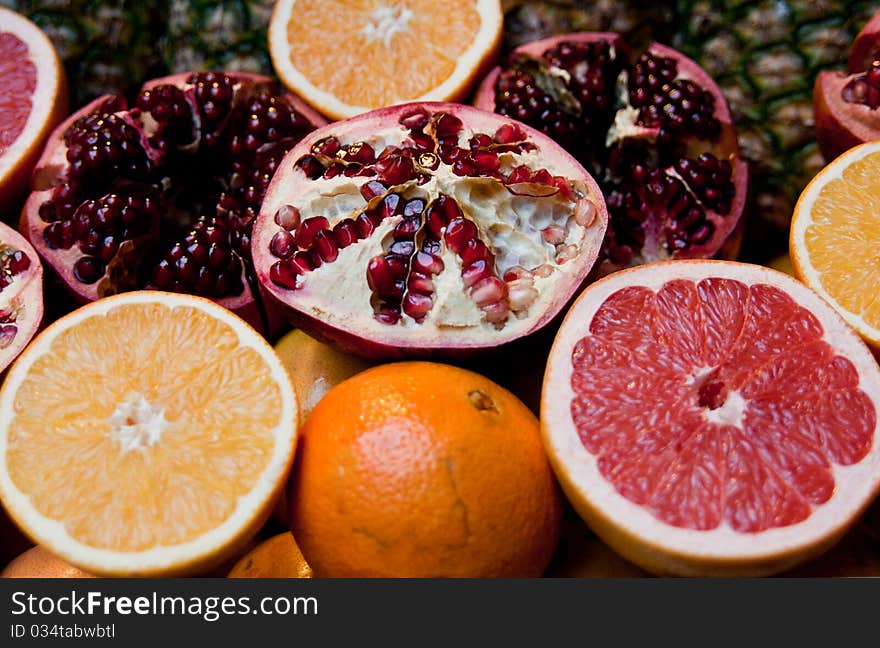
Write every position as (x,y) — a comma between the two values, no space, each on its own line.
(147,423)
(348,56)
(835,238)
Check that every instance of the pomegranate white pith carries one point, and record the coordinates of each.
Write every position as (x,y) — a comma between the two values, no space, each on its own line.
(637,532)
(520,245)
(21,294)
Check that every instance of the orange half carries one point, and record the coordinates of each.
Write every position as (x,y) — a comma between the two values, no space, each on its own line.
(345,57)
(145,434)
(835,238)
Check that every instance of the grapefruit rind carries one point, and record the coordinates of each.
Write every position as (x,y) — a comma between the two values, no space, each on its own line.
(470,66)
(49,105)
(631,529)
(191,557)
(803,267)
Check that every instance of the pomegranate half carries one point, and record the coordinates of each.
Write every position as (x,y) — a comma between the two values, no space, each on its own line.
(846,105)
(428,227)
(162,194)
(654,129)
(21,294)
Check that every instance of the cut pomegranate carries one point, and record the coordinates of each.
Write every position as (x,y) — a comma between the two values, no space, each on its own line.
(21,294)
(457,229)
(163,194)
(846,105)
(654,129)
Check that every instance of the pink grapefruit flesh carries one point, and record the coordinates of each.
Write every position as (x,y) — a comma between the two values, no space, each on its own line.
(712,418)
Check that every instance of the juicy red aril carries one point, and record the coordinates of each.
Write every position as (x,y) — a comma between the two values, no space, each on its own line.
(446,125)
(415,120)
(509,134)
(173,114)
(475,271)
(345,233)
(865,88)
(288,217)
(284,274)
(88,269)
(427,263)
(417,305)
(308,229)
(407,228)
(360,152)
(325,246)
(710,179)
(458,232)
(395,170)
(372,189)
(328,146)
(102,147)
(282,244)
(311,166)
(7,334)
(473,250)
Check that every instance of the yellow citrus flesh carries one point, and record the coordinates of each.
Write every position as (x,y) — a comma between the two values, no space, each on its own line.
(349,56)
(148,434)
(835,238)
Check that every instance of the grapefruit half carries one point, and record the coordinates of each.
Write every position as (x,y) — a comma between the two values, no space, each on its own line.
(33,101)
(711,418)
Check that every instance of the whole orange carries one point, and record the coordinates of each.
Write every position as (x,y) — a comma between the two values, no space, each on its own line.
(418,469)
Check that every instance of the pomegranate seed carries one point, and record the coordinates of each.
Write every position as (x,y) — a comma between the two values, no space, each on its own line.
(521,295)
(566,253)
(417,305)
(407,228)
(414,207)
(420,283)
(542,176)
(325,246)
(415,120)
(7,335)
(218,256)
(328,146)
(554,234)
(311,166)
(88,270)
(364,226)
(458,232)
(403,248)
(488,290)
(360,152)
(396,170)
(380,273)
(387,315)
(486,163)
(475,250)
(389,207)
(475,272)
(302,262)
(284,274)
(464,167)
(518,272)
(282,244)
(427,263)
(345,233)
(519,175)
(509,133)
(446,125)
(18,262)
(496,312)
(288,217)
(372,189)
(585,213)
(308,229)
(333,170)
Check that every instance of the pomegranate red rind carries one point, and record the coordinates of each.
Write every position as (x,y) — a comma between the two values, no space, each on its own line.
(712,418)
(21,294)
(866,46)
(162,194)
(426,228)
(841,125)
(579,88)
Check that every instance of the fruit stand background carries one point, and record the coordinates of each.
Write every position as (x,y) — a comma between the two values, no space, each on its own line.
(765,55)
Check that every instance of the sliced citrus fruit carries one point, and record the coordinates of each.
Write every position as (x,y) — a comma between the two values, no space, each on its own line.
(835,238)
(277,557)
(712,418)
(145,434)
(345,57)
(33,101)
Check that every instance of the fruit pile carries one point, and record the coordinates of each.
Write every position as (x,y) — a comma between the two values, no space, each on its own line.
(437,288)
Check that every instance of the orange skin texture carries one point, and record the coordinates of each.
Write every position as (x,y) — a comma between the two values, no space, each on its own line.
(37,562)
(277,557)
(418,469)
